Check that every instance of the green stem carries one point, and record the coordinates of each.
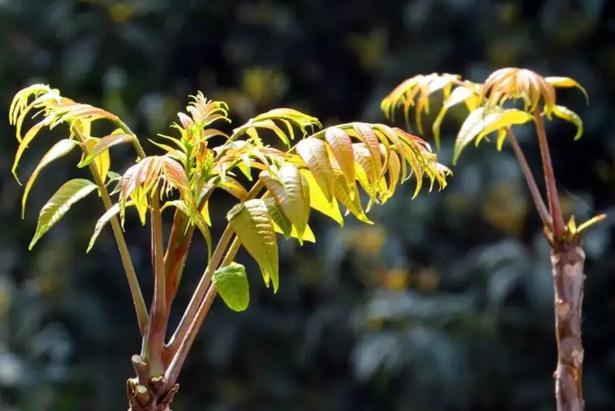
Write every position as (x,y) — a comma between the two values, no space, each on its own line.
(134,141)
(131,275)
(552,195)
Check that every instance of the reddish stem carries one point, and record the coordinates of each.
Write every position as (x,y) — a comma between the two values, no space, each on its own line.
(539,203)
(180,239)
(154,340)
(552,196)
(195,325)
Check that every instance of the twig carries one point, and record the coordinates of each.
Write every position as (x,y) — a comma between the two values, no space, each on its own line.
(552,196)
(543,212)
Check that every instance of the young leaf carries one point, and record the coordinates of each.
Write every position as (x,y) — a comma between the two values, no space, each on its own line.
(234,188)
(319,202)
(567,82)
(314,152)
(27,139)
(291,192)
(282,226)
(253,226)
(341,146)
(568,115)
(71,192)
(196,218)
(280,221)
(102,221)
(59,149)
(459,94)
(103,145)
(369,138)
(483,121)
(349,197)
(499,120)
(102,162)
(302,120)
(270,125)
(231,282)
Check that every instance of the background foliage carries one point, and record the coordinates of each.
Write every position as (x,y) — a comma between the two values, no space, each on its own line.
(445,304)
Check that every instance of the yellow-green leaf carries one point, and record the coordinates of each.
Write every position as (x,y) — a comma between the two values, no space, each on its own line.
(470,128)
(314,153)
(365,172)
(502,119)
(291,192)
(288,114)
(59,149)
(102,162)
(253,226)
(71,192)
(25,141)
(319,202)
(567,82)
(369,138)
(568,115)
(282,225)
(349,197)
(234,188)
(459,94)
(394,173)
(103,145)
(269,125)
(196,218)
(102,222)
(341,146)
(232,284)
(483,121)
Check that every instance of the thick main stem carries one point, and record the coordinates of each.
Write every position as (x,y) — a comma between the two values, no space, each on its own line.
(180,239)
(154,339)
(567,261)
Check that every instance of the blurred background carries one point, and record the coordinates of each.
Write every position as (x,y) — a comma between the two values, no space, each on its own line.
(444,304)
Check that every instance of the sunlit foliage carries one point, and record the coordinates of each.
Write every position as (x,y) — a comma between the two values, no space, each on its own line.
(276,183)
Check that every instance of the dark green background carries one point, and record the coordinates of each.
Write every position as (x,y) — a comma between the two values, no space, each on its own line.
(445,304)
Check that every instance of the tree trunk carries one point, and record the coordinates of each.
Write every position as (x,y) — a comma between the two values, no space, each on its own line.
(567,261)
(151,397)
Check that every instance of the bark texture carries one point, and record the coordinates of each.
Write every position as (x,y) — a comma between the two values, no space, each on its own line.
(567,264)
(153,396)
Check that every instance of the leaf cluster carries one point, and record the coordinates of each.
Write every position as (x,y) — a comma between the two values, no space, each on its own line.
(508,97)
(280,165)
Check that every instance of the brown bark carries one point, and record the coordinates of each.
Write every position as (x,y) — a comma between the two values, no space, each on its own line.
(152,396)
(567,261)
